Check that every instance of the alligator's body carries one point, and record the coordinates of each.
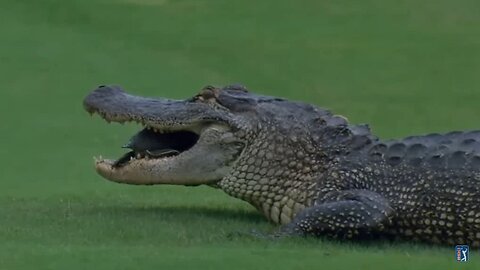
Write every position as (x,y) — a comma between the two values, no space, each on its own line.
(302,166)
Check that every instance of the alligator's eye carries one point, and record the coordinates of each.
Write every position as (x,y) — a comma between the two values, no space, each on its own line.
(208,93)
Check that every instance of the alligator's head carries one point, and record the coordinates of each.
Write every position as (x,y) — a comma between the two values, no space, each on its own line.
(266,150)
(186,142)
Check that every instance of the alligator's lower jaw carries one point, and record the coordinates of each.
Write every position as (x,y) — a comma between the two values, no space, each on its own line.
(131,173)
(141,171)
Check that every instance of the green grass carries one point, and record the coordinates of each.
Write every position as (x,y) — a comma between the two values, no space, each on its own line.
(405,67)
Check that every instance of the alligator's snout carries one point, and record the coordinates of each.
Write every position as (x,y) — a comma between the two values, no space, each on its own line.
(109,101)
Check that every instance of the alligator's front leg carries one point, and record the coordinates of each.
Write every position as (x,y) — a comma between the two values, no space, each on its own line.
(347,214)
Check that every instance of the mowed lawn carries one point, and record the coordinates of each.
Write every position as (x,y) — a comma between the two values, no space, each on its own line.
(405,67)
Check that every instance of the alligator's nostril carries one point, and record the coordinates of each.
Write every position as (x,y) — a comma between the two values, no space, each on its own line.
(101,86)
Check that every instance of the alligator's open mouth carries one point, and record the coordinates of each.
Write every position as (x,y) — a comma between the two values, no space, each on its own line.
(152,143)
(183,142)
(167,156)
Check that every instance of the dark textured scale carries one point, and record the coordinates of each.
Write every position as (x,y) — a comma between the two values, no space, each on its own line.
(378,151)
(317,122)
(469,145)
(468,142)
(337,133)
(395,153)
(361,136)
(457,160)
(437,160)
(475,162)
(359,141)
(416,150)
(446,141)
(415,161)
(397,150)
(394,160)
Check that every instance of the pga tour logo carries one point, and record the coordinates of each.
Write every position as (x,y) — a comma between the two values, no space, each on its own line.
(461,253)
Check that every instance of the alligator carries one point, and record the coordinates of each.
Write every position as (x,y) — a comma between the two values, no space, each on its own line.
(305,168)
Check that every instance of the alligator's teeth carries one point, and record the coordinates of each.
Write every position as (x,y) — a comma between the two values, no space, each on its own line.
(139,156)
(156,130)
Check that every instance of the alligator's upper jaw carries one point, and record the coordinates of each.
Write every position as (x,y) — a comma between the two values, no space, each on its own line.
(178,145)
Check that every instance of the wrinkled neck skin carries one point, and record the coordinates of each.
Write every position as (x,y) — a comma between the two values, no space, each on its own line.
(285,159)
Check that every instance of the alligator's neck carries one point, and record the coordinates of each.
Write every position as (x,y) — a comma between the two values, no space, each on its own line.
(281,174)
(269,191)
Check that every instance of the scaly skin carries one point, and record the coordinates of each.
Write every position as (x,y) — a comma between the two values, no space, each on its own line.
(307,169)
